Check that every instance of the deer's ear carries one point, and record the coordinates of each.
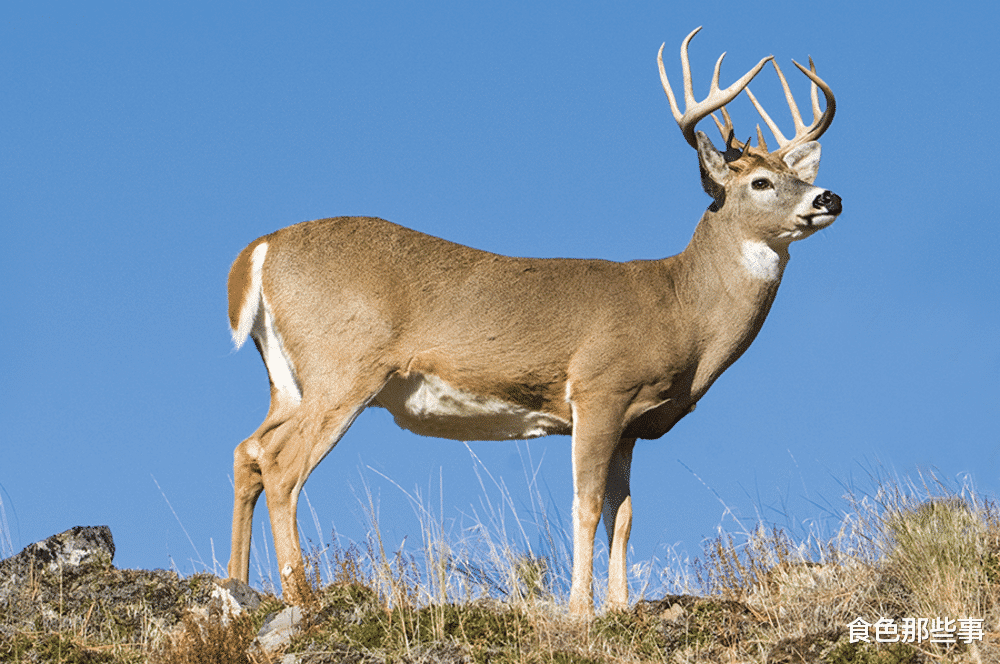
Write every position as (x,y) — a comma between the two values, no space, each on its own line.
(804,161)
(714,171)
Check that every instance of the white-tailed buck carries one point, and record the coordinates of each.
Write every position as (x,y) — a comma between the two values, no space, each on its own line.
(460,343)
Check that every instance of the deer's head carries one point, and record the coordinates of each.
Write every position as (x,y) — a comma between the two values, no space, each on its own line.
(769,196)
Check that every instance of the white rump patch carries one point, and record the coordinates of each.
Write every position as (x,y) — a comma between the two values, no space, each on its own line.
(279,365)
(256,320)
(760,260)
(429,406)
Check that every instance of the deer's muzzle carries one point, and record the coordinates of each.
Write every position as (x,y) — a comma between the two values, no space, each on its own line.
(830,201)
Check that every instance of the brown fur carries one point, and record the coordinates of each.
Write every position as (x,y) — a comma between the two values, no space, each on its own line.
(457,342)
(239,284)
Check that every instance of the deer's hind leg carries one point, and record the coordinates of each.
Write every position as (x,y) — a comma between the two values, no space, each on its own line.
(278,459)
(291,453)
(248,485)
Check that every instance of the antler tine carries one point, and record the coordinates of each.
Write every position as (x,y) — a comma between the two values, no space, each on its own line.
(734,147)
(821,123)
(728,133)
(761,143)
(821,120)
(678,116)
(813,90)
(724,129)
(695,111)
(686,68)
(800,126)
(767,119)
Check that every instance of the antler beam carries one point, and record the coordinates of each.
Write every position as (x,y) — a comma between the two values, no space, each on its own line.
(803,133)
(695,111)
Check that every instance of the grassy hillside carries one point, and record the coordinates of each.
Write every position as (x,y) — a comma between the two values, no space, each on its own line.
(902,554)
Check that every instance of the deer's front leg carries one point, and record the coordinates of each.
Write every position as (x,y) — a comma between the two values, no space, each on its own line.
(618,522)
(596,432)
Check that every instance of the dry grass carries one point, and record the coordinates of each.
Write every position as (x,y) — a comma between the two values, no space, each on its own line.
(909,550)
(913,550)
(208,640)
(481,593)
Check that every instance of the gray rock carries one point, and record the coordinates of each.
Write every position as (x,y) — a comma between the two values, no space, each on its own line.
(66,583)
(279,628)
(243,594)
(230,598)
(67,555)
(69,552)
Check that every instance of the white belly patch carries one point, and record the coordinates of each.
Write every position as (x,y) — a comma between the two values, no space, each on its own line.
(427,405)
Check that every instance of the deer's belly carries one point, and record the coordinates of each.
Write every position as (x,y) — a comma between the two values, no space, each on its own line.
(429,406)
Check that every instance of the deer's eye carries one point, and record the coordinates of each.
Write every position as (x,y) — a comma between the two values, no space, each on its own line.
(761,183)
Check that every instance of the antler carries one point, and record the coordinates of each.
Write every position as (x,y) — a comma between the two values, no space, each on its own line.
(803,133)
(695,111)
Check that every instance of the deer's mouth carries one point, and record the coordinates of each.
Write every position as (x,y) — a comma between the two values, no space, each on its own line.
(817,220)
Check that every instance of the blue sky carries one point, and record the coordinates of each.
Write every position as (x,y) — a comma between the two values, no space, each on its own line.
(145,145)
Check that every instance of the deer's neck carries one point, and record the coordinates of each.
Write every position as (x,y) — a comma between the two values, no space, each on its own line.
(727,282)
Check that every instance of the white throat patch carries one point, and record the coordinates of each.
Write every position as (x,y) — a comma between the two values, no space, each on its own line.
(760,260)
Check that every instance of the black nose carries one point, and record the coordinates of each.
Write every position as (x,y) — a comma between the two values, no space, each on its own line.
(828,200)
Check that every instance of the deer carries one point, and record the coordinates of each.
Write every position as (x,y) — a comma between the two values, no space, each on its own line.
(355,312)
